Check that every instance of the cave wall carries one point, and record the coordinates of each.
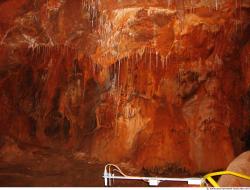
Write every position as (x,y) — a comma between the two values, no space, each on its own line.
(158,84)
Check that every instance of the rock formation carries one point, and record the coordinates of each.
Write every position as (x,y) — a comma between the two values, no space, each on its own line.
(239,165)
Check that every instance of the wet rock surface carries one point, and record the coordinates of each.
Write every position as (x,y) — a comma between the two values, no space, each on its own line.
(159,85)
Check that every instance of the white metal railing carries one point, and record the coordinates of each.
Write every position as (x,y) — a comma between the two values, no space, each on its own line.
(110,170)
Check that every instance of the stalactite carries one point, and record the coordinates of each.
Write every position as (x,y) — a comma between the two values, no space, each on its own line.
(94,69)
(216,5)
(169,3)
(132,59)
(145,58)
(45,51)
(119,72)
(115,73)
(163,62)
(91,6)
(136,58)
(37,50)
(156,59)
(150,59)
(31,50)
(47,8)
(192,6)
(36,54)
(116,114)
(236,17)
(218,60)
(56,48)
(166,62)
(118,100)
(65,50)
(240,15)
(50,50)
(155,42)
(40,50)
(247,61)
(141,52)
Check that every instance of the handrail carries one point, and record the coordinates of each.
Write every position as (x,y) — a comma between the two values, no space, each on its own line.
(109,177)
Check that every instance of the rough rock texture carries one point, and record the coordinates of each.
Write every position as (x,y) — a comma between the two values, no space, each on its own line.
(240,165)
(164,85)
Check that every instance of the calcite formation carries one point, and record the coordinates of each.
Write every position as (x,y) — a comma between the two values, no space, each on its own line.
(162,85)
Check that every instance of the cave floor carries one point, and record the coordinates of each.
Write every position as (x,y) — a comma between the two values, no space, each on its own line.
(47,168)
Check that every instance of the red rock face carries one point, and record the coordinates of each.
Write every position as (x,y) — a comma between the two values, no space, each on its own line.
(161,85)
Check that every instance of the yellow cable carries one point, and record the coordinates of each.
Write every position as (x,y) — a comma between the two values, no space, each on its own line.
(209,178)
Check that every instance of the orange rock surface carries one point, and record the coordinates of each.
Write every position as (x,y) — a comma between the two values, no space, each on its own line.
(159,84)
